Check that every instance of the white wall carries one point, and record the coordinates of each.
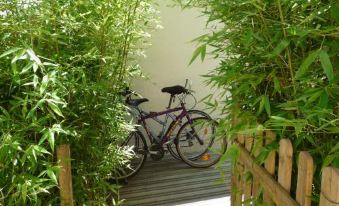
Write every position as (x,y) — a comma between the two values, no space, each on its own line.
(168,57)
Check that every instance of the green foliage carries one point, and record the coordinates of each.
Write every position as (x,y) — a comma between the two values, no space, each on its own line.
(278,68)
(62,64)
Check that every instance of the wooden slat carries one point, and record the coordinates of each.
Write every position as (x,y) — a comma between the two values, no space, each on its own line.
(236,197)
(276,191)
(241,139)
(305,178)
(65,177)
(269,163)
(257,148)
(248,184)
(285,164)
(248,143)
(330,187)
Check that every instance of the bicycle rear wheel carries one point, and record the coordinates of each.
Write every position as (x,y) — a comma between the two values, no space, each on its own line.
(137,143)
(197,144)
(192,114)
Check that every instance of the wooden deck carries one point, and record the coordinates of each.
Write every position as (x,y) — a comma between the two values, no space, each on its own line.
(171,182)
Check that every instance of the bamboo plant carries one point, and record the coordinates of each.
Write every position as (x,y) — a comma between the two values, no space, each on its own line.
(62,64)
(277,71)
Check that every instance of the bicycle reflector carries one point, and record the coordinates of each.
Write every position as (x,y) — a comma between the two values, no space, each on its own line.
(206,157)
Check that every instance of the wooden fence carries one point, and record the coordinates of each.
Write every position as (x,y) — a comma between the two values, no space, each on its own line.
(276,188)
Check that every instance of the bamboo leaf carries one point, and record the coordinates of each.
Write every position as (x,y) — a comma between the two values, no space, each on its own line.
(33,110)
(24,189)
(328,160)
(52,175)
(35,81)
(261,105)
(201,50)
(9,52)
(44,84)
(267,106)
(19,55)
(51,139)
(277,87)
(327,65)
(314,96)
(55,108)
(323,101)
(27,68)
(34,57)
(279,48)
(335,12)
(335,148)
(24,106)
(307,63)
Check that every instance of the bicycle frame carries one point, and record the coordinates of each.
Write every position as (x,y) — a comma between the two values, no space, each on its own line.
(152,115)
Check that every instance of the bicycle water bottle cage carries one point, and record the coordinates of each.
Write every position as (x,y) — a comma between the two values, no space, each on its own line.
(136,102)
(174,90)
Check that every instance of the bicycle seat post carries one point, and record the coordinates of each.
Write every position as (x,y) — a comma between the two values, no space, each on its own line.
(170,101)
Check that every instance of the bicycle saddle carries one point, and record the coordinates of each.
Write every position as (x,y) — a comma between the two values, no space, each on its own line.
(136,102)
(174,90)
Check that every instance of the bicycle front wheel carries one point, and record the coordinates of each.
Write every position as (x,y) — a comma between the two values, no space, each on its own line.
(136,145)
(197,145)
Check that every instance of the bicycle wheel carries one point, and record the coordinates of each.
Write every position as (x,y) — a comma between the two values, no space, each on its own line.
(197,144)
(137,143)
(171,147)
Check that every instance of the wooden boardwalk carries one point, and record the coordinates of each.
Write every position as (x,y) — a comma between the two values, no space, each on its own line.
(171,182)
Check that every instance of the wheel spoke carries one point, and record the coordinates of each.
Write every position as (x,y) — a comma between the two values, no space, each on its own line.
(196,143)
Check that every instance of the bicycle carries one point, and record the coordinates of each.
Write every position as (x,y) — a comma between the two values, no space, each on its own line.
(193,142)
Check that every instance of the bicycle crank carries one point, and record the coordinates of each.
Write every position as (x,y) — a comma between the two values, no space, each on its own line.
(156,152)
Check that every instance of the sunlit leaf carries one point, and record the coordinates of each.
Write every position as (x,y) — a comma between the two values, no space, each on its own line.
(52,175)
(11,51)
(44,84)
(55,108)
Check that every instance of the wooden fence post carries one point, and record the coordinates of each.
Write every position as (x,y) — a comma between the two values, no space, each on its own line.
(257,147)
(329,195)
(305,179)
(248,184)
(285,164)
(236,197)
(237,174)
(65,176)
(278,194)
(269,162)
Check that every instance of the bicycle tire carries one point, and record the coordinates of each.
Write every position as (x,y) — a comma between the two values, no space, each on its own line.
(140,149)
(189,148)
(172,147)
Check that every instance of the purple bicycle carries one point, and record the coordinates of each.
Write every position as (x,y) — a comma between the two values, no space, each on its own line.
(190,135)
